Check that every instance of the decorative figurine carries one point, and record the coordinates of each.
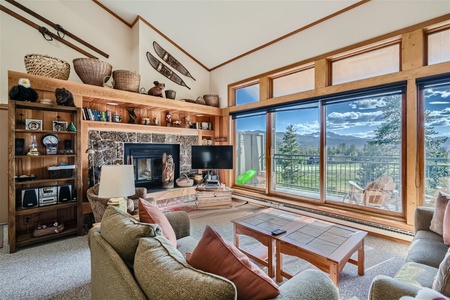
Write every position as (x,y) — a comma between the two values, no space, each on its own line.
(157,90)
(132,115)
(71,127)
(116,118)
(168,119)
(168,171)
(186,121)
(64,97)
(23,91)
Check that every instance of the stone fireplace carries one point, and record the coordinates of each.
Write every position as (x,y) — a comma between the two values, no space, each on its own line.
(110,148)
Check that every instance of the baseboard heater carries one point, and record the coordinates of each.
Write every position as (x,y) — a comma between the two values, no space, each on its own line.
(360,224)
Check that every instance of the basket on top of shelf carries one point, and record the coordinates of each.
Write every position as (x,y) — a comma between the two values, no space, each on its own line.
(211,99)
(126,80)
(47,66)
(92,70)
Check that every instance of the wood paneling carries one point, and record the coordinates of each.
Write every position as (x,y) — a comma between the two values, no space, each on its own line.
(413,50)
(322,73)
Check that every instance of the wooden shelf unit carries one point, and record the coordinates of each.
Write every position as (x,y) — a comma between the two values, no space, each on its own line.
(23,221)
(100,98)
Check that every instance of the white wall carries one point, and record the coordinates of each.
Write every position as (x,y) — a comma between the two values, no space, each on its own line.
(370,20)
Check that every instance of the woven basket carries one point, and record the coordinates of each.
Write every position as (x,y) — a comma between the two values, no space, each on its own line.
(47,66)
(92,71)
(126,80)
(211,99)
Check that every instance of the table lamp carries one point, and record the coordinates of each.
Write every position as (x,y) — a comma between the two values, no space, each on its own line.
(117,182)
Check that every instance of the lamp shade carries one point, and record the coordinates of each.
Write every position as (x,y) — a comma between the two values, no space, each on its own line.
(116,181)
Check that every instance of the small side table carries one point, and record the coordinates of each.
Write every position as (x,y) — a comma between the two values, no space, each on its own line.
(213,198)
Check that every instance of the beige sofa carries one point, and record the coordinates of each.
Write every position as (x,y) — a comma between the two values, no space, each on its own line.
(424,260)
(115,275)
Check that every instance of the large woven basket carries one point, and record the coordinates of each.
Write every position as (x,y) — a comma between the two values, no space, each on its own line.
(92,71)
(47,66)
(126,80)
(211,99)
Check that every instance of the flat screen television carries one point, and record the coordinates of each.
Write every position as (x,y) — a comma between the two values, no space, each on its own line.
(212,157)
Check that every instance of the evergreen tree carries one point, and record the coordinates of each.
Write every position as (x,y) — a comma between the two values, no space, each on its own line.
(288,162)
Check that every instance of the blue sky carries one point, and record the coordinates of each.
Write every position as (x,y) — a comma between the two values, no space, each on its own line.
(357,118)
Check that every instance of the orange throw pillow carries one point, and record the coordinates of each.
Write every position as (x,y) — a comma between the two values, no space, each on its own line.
(446,226)
(148,213)
(214,255)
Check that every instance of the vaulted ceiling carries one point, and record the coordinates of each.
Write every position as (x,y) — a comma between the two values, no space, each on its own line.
(215,32)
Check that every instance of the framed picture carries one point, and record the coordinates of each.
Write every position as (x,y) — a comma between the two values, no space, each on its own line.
(59,126)
(32,124)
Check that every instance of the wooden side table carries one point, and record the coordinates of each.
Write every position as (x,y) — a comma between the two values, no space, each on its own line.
(213,198)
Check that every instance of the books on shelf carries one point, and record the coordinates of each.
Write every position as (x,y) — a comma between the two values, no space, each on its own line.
(96,115)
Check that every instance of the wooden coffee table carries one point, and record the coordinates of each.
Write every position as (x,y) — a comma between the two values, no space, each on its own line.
(326,245)
(259,226)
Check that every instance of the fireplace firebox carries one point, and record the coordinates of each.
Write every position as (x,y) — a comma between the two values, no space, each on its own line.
(147,161)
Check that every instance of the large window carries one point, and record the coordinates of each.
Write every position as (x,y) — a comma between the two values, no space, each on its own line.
(435,97)
(251,150)
(363,150)
(296,143)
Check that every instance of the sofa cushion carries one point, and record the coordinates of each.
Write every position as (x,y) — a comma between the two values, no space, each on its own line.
(446,225)
(425,293)
(214,255)
(442,280)
(439,210)
(419,251)
(417,274)
(149,213)
(123,232)
(162,273)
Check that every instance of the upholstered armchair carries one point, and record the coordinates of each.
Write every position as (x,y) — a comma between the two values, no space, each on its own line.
(99,205)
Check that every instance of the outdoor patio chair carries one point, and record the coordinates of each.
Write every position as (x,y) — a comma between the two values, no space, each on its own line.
(376,193)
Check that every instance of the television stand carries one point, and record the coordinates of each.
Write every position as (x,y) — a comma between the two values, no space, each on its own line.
(213,196)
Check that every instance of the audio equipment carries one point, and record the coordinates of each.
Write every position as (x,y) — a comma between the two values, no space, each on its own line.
(30,198)
(64,192)
(19,146)
(48,195)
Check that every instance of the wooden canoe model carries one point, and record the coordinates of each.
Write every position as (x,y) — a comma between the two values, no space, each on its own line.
(164,70)
(172,61)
